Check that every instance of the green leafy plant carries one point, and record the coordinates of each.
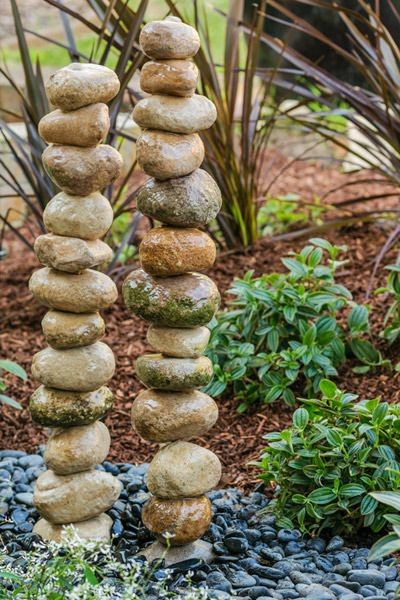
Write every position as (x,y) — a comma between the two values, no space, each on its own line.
(391,330)
(284,213)
(390,543)
(326,464)
(282,330)
(12,367)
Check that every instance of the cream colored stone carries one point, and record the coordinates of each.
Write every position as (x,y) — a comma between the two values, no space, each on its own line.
(79,369)
(175,374)
(178,115)
(77,449)
(182,343)
(166,155)
(73,498)
(183,470)
(88,291)
(97,529)
(169,39)
(71,254)
(87,217)
(64,330)
(87,126)
(172,77)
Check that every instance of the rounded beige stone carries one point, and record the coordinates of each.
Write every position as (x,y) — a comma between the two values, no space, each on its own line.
(178,115)
(82,171)
(64,330)
(77,448)
(88,291)
(81,84)
(79,369)
(97,529)
(162,417)
(178,342)
(87,126)
(171,77)
(71,254)
(166,251)
(87,217)
(166,373)
(169,39)
(165,155)
(183,470)
(73,498)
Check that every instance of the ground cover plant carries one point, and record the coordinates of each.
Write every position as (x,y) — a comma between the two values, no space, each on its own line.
(390,543)
(9,366)
(391,330)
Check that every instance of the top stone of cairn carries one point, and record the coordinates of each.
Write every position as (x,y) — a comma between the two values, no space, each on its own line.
(169,39)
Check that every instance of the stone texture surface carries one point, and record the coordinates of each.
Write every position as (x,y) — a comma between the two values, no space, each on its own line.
(162,417)
(64,330)
(183,301)
(191,201)
(169,39)
(87,217)
(199,550)
(82,369)
(88,291)
(171,77)
(182,520)
(182,343)
(87,126)
(164,155)
(178,115)
(182,470)
(82,171)
(77,449)
(71,254)
(58,408)
(96,529)
(72,498)
(175,374)
(166,251)
(81,84)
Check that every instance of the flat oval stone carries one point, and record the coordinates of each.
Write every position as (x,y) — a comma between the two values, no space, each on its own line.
(88,291)
(87,217)
(81,171)
(77,449)
(182,343)
(179,115)
(169,39)
(183,301)
(87,126)
(160,416)
(64,330)
(191,201)
(82,369)
(166,373)
(74,498)
(182,470)
(182,521)
(164,155)
(166,251)
(71,254)
(58,408)
(171,77)
(97,529)
(81,84)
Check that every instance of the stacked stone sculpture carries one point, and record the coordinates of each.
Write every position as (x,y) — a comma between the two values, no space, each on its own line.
(75,367)
(168,292)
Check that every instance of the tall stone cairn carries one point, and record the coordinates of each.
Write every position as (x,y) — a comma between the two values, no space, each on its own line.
(167,290)
(75,367)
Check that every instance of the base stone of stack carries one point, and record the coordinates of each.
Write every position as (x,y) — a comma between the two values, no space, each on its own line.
(199,549)
(96,529)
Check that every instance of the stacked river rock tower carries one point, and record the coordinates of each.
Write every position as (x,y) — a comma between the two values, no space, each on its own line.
(75,366)
(169,293)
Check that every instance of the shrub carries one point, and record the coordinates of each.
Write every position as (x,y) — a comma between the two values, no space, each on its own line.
(392,319)
(12,367)
(335,453)
(390,543)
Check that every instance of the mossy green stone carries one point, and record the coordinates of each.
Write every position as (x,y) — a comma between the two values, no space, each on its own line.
(175,374)
(185,300)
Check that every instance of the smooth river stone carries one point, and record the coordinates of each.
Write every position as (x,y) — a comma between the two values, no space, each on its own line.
(71,254)
(182,470)
(82,171)
(169,39)
(191,201)
(166,251)
(171,77)
(87,126)
(179,115)
(181,521)
(87,217)
(81,84)
(58,408)
(182,343)
(165,155)
(64,330)
(77,448)
(167,416)
(182,301)
(73,498)
(88,291)
(97,529)
(166,373)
